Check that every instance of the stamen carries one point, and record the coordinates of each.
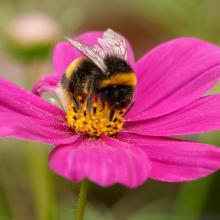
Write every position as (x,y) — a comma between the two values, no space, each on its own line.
(96,122)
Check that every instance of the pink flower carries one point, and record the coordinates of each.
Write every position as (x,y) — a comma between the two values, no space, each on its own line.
(173,80)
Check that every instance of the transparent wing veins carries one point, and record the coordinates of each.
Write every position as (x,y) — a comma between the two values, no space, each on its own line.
(111,44)
(94,53)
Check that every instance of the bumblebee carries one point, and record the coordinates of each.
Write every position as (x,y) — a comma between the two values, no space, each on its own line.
(103,74)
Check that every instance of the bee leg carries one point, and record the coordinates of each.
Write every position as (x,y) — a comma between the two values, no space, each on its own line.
(112,112)
(89,104)
(76,103)
(103,100)
(91,90)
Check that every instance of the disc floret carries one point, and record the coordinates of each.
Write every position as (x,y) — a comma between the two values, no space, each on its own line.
(95,122)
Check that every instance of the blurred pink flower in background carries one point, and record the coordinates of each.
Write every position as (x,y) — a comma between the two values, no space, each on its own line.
(33,28)
(170,100)
(31,35)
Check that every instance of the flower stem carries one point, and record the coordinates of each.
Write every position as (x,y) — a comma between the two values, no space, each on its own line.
(82,200)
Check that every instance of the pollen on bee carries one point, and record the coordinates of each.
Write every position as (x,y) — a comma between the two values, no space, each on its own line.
(96,122)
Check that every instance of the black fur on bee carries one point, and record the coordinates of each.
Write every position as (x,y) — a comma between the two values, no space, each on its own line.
(88,81)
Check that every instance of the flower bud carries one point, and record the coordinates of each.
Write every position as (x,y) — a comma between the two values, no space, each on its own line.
(32,35)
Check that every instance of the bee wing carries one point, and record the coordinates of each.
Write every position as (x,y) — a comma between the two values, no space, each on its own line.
(111,43)
(94,53)
(114,44)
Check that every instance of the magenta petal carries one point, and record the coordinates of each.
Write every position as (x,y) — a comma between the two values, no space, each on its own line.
(104,162)
(27,128)
(174,75)
(201,116)
(175,160)
(18,100)
(27,116)
(46,83)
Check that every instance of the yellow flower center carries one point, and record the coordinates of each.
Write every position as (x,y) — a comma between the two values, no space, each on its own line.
(96,122)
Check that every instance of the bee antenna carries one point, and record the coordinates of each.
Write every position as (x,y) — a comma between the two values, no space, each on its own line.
(132,104)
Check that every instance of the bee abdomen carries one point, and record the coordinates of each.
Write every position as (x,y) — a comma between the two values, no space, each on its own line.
(125,79)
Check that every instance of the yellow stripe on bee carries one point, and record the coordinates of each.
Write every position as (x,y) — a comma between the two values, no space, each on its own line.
(126,79)
(73,65)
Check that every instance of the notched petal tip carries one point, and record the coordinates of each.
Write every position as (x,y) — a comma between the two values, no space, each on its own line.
(105,162)
(174,160)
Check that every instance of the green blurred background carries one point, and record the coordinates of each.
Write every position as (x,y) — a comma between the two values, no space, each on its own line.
(28,189)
